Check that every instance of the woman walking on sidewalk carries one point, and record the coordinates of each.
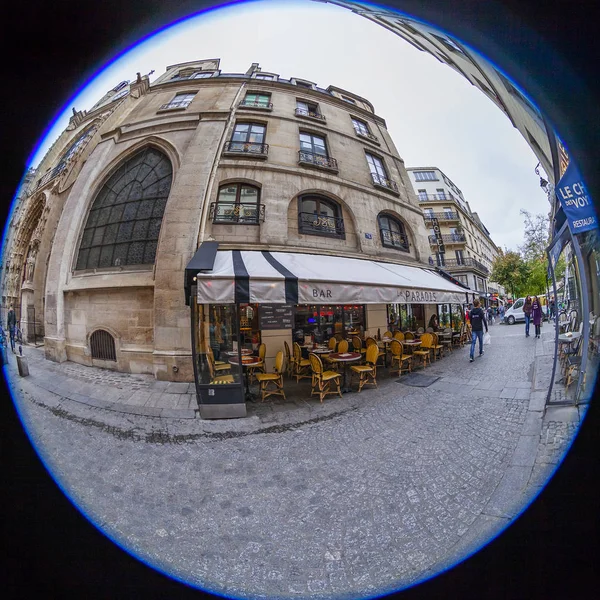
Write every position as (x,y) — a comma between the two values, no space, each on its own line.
(477,323)
(527,313)
(536,315)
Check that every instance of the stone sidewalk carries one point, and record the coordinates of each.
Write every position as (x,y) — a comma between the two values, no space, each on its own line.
(349,498)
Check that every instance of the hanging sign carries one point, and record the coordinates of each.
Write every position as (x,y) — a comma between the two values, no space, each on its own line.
(576,202)
(439,240)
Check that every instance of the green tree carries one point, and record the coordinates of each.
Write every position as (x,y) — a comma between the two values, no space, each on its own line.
(511,271)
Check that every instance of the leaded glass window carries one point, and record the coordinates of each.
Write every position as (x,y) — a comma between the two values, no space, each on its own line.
(124,222)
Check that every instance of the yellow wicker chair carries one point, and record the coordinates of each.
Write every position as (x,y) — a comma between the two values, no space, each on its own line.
(367,373)
(322,380)
(260,367)
(437,347)
(398,356)
(358,347)
(289,360)
(399,336)
(214,378)
(276,378)
(425,349)
(370,342)
(388,334)
(220,366)
(325,357)
(343,346)
(301,365)
(408,335)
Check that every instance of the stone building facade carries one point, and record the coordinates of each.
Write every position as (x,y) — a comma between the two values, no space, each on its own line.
(132,188)
(469,250)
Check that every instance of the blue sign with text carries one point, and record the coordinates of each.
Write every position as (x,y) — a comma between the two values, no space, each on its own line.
(576,203)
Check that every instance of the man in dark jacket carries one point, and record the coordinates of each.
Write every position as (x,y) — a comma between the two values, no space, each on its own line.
(11,323)
(478,321)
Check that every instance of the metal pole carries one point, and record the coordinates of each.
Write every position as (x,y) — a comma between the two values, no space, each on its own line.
(556,328)
(585,334)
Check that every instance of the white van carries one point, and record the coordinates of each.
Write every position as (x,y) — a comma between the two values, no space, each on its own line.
(515,312)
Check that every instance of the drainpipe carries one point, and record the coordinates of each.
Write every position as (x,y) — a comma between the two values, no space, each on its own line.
(215,166)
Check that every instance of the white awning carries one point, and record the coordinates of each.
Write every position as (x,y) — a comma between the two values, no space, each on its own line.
(241,276)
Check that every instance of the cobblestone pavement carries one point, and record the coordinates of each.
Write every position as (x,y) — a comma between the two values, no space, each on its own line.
(355,497)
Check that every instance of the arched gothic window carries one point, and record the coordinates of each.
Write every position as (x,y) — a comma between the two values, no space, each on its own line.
(124,222)
(320,216)
(393,233)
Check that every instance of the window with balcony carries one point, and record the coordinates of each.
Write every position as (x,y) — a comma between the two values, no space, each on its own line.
(256,100)
(440,193)
(308,109)
(320,216)
(440,259)
(379,175)
(313,151)
(180,101)
(362,129)
(393,233)
(460,259)
(124,222)
(422,194)
(237,203)
(248,138)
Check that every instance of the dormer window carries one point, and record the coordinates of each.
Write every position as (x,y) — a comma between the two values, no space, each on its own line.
(304,84)
(264,77)
(349,100)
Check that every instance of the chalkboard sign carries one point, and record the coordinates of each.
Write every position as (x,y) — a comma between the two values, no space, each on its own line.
(276,316)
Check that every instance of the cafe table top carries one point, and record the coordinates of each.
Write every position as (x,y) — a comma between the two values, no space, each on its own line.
(563,337)
(256,361)
(345,356)
(412,342)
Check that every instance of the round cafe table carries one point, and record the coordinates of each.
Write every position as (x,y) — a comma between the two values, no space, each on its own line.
(250,397)
(346,358)
(411,344)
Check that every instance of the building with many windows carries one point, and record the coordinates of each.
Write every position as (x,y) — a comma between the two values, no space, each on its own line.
(178,222)
(523,114)
(459,241)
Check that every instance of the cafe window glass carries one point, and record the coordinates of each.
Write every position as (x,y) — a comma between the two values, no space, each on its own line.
(321,322)
(216,344)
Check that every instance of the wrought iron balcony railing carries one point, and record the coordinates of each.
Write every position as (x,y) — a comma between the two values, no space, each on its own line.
(247,148)
(367,134)
(175,105)
(467,262)
(232,212)
(441,216)
(384,182)
(451,238)
(393,239)
(321,225)
(256,104)
(435,197)
(302,112)
(318,160)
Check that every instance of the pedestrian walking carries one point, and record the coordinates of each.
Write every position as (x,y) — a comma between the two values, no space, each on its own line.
(536,315)
(11,323)
(527,313)
(477,324)
(490,315)
(501,311)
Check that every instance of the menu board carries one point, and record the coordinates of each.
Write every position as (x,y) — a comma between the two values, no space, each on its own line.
(276,316)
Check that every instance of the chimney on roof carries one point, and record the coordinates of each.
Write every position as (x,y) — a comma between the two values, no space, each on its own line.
(253,68)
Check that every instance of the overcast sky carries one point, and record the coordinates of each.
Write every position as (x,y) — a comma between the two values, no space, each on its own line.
(434,115)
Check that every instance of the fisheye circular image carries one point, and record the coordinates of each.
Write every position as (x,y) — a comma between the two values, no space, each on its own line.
(300,300)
